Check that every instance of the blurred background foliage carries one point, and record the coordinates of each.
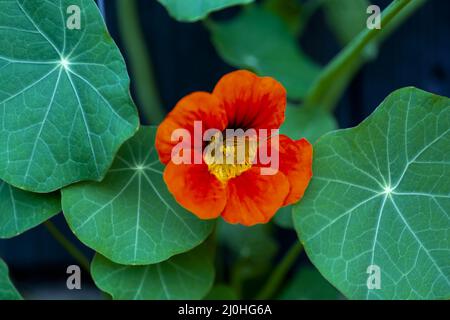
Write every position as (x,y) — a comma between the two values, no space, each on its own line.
(291,40)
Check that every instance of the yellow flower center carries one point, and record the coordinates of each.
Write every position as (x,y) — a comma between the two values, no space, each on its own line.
(231,157)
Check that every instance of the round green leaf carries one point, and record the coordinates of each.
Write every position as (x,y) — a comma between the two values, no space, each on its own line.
(193,10)
(380,198)
(186,276)
(22,210)
(130,217)
(7,289)
(266,47)
(65,106)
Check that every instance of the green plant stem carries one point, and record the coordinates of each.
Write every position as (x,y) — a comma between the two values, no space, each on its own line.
(67,245)
(139,61)
(278,275)
(348,61)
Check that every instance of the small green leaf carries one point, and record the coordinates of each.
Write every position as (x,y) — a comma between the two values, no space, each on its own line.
(65,106)
(380,196)
(193,10)
(23,210)
(308,284)
(259,40)
(307,123)
(130,217)
(7,289)
(186,276)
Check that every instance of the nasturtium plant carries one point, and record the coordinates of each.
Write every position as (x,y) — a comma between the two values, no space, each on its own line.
(380,198)
(193,10)
(130,217)
(65,107)
(7,289)
(186,276)
(369,205)
(23,210)
(265,47)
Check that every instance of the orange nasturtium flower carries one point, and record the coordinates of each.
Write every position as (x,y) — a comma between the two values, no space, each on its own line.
(236,191)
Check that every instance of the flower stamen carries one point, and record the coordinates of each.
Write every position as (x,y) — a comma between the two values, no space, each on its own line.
(230,158)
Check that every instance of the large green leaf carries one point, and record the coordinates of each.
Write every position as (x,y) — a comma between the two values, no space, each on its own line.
(308,284)
(380,196)
(22,210)
(259,40)
(130,217)
(186,276)
(65,106)
(7,289)
(193,10)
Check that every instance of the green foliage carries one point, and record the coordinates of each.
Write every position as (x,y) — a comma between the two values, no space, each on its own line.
(289,10)
(303,123)
(186,276)
(65,106)
(130,217)
(283,218)
(346,18)
(7,289)
(21,210)
(222,292)
(253,248)
(266,47)
(380,196)
(308,284)
(193,10)
(309,124)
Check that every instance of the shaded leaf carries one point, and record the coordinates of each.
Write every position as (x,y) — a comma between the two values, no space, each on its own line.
(130,217)
(380,196)
(307,123)
(266,47)
(222,292)
(186,276)
(22,210)
(193,10)
(289,10)
(65,106)
(346,18)
(7,289)
(283,218)
(253,247)
(308,284)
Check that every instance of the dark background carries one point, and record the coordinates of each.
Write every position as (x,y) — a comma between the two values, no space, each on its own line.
(417,54)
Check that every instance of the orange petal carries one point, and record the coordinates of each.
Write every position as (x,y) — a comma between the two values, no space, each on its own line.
(198,106)
(254,198)
(196,189)
(252,101)
(296,164)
